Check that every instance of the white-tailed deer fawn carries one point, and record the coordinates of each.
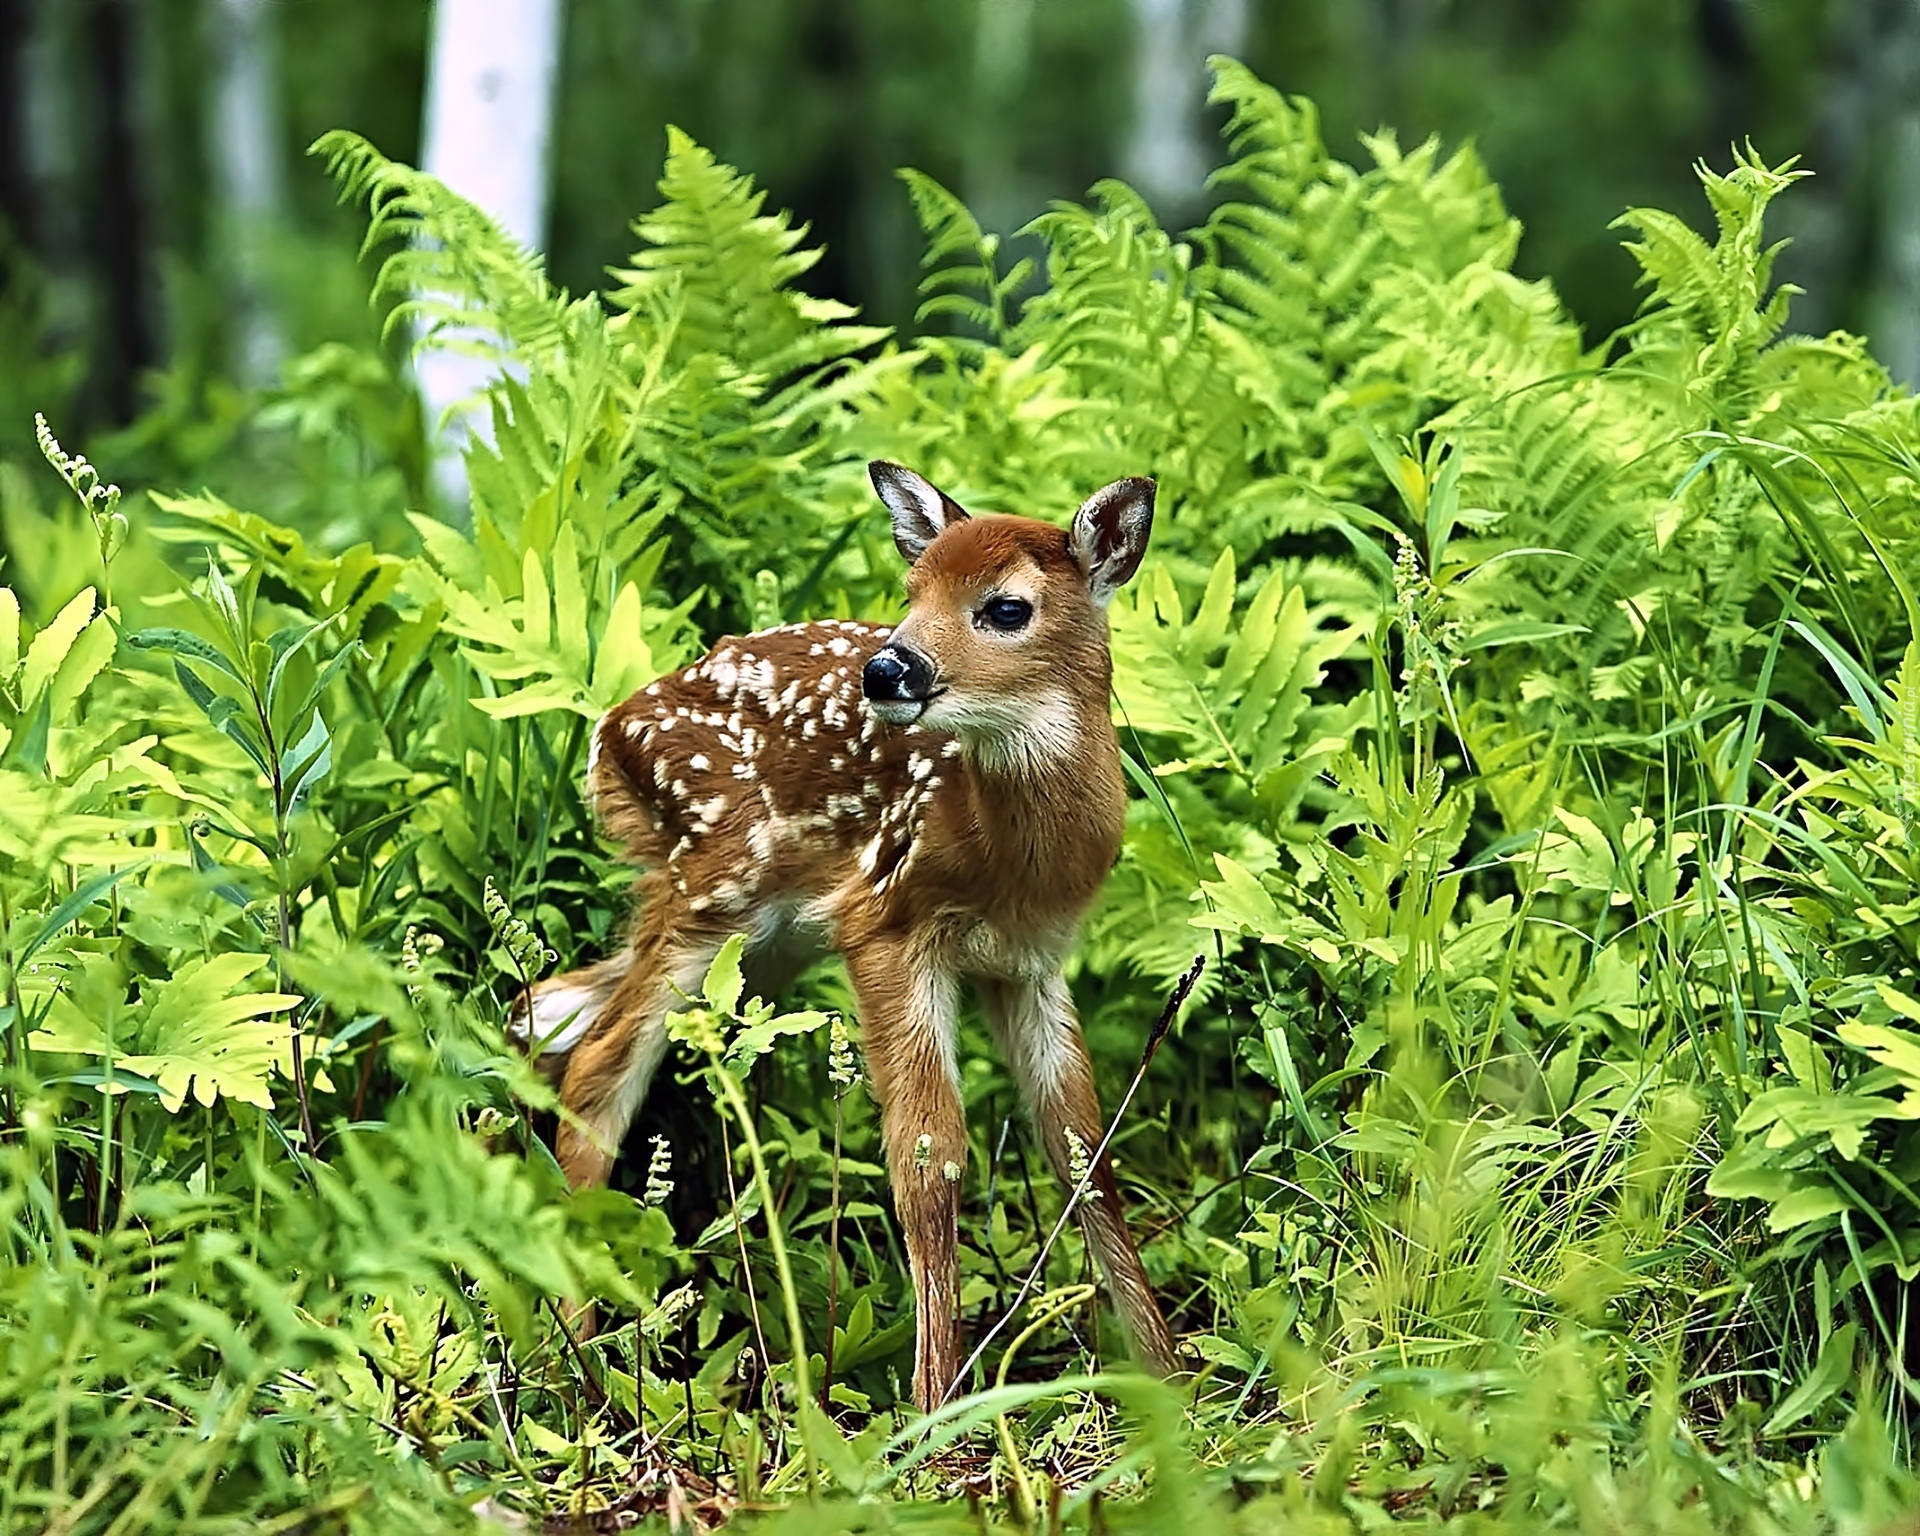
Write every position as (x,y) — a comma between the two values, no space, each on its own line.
(938,803)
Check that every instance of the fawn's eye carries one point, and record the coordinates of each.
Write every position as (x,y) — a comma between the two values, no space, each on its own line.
(1006,614)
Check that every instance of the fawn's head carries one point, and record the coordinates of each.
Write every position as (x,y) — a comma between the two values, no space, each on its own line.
(1005,639)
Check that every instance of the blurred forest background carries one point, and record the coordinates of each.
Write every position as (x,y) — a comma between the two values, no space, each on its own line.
(162,236)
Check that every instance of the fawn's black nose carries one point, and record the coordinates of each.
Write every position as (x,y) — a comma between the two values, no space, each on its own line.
(897,675)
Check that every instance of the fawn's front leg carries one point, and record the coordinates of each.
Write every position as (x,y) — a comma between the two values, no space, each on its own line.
(1040,1034)
(908,1007)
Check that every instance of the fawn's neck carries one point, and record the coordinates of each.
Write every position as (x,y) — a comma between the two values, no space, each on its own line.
(1050,812)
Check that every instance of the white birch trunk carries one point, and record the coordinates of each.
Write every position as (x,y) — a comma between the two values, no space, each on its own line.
(489,119)
(1168,155)
(1002,49)
(246,164)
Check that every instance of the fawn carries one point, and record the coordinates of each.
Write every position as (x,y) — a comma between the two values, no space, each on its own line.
(936,802)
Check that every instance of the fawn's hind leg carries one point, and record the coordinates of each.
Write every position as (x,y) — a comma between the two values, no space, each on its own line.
(609,1070)
(606,1024)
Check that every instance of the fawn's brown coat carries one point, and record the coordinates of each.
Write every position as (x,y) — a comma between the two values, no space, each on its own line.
(939,802)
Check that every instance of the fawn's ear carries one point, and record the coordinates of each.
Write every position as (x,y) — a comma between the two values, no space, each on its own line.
(921,510)
(1109,536)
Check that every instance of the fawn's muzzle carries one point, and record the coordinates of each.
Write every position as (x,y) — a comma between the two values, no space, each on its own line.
(897,675)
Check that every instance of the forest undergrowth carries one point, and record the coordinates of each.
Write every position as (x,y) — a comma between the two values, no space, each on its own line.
(1524,730)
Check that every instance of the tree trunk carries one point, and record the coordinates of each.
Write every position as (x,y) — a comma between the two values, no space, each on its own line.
(1002,48)
(16,193)
(1168,154)
(488,122)
(1894,318)
(245,153)
(117,229)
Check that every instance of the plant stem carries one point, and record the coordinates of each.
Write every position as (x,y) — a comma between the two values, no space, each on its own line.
(284,915)
(1047,1311)
(833,1266)
(106,1125)
(106,1138)
(746,1264)
(737,1103)
(18,1020)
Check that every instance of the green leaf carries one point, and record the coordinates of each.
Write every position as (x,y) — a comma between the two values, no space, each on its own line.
(724,980)
(188,1033)
(326,676)
(1516,632)
(1751,1172)
(286,645)
(307,762)
(836,1454)
(756,1038)
(81,665)
(180,642)
(1897,1050)
(1803,1206)
(1221,1351)
(84,896)
(569,604)
(29,748)
(625,660)
(1242,901)
(50,646)
(1788,1116)
(1579,859)
(1832,1371)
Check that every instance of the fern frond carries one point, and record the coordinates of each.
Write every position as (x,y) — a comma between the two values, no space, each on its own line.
(1710,311)
(1125,321)
(1233,689)
(724,271)
(961,275)
(456,273)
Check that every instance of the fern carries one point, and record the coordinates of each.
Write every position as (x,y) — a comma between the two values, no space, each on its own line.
(454,266)
(188,1034)
(720,274)
(1289,196)
(544,634)
(1234,695)
(971,287)
(1125,322)
(1716,311)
